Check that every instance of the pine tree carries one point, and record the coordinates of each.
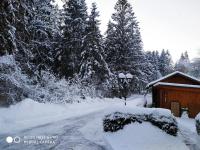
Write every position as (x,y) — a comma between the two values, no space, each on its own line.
(165,63)
(195,68)
(153,58)
(93,69)
(7,28)
(124,50)
(42,33)
(74,33)
(110,45)
(183,64)
(24,15)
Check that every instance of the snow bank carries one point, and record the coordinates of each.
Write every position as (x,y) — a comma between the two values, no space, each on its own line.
(143,137)
(198,123)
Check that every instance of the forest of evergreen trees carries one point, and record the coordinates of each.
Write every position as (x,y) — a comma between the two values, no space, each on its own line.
(68,44)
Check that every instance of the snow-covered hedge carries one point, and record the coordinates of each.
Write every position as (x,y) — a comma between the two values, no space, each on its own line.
(198,123)
(116,121)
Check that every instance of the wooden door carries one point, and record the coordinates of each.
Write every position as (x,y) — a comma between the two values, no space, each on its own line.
(175,108)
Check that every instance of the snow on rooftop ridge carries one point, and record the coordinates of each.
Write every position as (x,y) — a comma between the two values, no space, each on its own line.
(169,75)
(177,85)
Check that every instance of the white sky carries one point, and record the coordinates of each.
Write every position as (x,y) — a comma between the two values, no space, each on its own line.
(165,24)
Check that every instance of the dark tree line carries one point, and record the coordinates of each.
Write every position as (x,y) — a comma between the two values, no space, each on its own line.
(69,43)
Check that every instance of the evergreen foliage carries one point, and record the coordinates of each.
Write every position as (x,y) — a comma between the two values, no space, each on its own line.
(165,63)
(124,51)
(183,64)
(68,43)
(74,32)
(94,68)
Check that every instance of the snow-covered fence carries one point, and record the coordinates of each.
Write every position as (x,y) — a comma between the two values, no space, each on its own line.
(198,123)
(116,121)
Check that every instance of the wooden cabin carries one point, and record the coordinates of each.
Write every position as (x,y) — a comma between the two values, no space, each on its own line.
(178,92)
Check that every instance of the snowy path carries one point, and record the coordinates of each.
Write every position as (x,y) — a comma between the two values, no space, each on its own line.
(187,129)
(67,131)
(78,127)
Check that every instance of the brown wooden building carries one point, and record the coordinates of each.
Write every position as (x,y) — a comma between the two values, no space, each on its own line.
(178,92)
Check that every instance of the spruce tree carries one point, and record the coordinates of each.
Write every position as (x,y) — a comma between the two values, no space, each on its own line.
(42,33)
(75,18)
(93,69)
(195,68)
(124,50)
(165,63)
(183,63)
(153,58)
(7,28)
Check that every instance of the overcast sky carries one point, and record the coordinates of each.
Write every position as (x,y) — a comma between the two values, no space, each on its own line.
(168,24)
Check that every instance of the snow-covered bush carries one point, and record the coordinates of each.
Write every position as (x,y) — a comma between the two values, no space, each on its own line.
(15,85)
(56,90)
(198,123)
(164,122)
(116,121)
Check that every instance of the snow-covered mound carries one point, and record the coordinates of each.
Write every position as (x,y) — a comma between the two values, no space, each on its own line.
(198,123)
(143,136)
(161,118)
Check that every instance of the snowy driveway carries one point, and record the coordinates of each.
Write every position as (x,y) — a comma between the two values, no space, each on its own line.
(68,125)
(77,128)
(67,133)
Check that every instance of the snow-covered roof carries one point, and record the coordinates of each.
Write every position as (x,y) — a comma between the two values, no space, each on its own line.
(177,85)
(172,74)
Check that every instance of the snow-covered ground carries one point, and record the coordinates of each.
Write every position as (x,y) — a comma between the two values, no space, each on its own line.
(29,113)
(80,126)
(144,137)
(188,131)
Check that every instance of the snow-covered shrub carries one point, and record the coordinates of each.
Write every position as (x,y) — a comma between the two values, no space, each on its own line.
(197,119)
(116,121)
(51,89)
(13,83)
(164,122)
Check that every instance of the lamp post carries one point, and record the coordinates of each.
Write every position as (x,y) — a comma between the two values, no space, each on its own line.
(124,81)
